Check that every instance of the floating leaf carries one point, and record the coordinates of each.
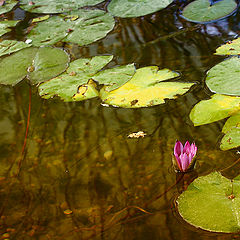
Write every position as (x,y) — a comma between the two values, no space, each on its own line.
(145,89)
(8,6)
(40,19)
(230,48)
(74,85)
(136,8)
(201,11)
(214,109)
(5,26)
(53,6)
(48,63)
(224,78)
(38,64)
(90,26)
(115,77)
(19,61)
(210,204)
(10,46)
(231,139)
(233,121)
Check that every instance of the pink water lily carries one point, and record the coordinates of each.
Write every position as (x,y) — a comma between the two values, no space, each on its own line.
(184,155)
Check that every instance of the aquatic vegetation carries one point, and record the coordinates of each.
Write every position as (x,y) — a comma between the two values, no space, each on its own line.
(82,26)
(37,64)
(184,156)
(204,11)
(212,203)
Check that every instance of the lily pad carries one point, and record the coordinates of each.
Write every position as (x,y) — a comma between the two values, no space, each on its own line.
(136,8)
(74,83)
(231,139)
(146,88)
(85,27)
(201,11)
(224,78)
(229,48)
(38,65)
(232,122)
(53,6)
(8,6)
(5,26)
(10,46)
(212,203)
(214,109)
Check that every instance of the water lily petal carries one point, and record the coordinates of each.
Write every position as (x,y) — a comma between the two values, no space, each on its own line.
(178,148)
(193,149)
(184,161)
(178,161)
(187,147)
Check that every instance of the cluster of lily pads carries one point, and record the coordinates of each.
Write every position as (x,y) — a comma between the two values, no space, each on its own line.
(197,205)
(223,79)
(52,72)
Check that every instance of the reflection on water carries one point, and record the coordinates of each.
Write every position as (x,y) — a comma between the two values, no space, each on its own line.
(80,176)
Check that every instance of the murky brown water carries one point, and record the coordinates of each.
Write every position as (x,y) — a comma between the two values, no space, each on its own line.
(81,177)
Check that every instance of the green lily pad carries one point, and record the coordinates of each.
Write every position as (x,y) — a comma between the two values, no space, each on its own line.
(38,65)
(232,122)
(85,27)
(5,26)
(214,109)
(146,88)
(209,203)
(53,6)
(74,83)
(224,78)
(8,6)
(229,48)
(10,46)
(231,139)
(201,11)
(136,8)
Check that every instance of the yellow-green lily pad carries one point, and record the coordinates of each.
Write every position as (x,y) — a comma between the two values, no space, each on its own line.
(146,88)
(214,109)
(229,48)
(232,122)
(212,203)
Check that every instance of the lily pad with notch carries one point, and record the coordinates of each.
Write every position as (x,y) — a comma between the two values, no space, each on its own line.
(201,11)
(212,203)
(136,8)
(82,27)
(214,109)
(53,6)
(146,88)
(79,81)
(38,64)
(7,6)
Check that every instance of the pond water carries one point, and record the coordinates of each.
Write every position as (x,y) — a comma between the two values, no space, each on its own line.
(80,176)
